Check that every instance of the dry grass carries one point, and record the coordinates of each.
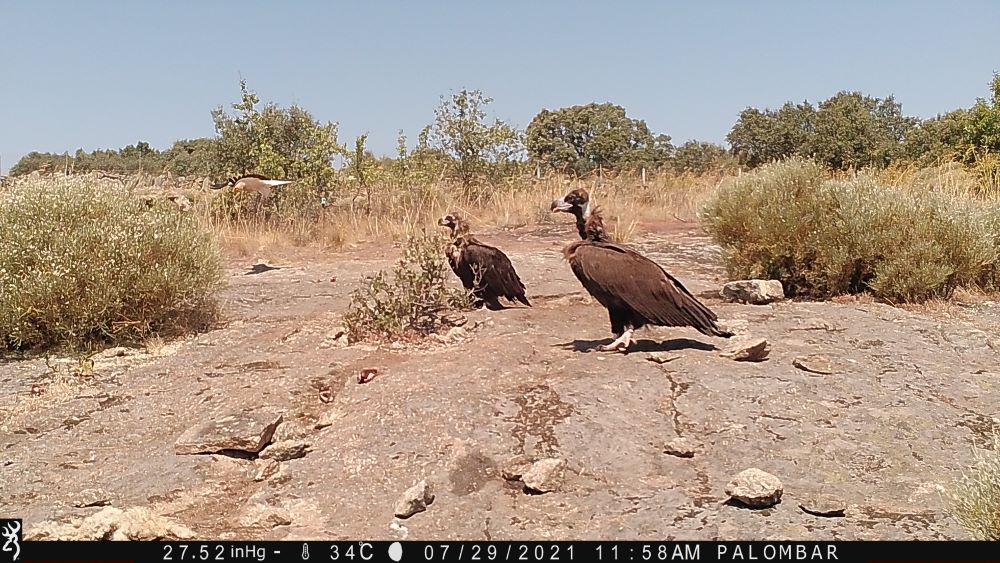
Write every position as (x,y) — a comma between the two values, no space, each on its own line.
(975,502)
(248,226)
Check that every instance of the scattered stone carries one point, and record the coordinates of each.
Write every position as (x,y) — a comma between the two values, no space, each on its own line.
(755,488)
(545,475)
(680,447)
(92,497)
(327,418)
(814,364)
(710,294)
(298,428)
(367,374)
(244,432)
(661,357)
(116,352)
(753,292)
(286,450)
(110,523)
(823,505)
(415,499)
(396,527)
(277,519)
(817,324)
(266,469)
(338,336)
(454,319)
(747,350)
(515,467)
(261,514)
(735,326)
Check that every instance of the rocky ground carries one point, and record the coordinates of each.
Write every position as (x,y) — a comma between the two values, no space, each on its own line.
(855,423)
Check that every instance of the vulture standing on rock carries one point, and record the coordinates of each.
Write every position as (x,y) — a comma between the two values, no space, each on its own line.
(252,183)
(471,259)
(635,290)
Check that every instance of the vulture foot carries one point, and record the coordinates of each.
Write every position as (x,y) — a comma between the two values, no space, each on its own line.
(620,344)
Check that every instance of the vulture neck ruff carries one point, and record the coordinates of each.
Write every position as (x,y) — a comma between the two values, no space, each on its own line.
(591,226)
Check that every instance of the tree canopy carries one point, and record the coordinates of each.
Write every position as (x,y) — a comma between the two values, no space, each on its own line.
(583,137)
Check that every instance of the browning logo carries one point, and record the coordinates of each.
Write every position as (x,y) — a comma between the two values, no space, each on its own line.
(10,534)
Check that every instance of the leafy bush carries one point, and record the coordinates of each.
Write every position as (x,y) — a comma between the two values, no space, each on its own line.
(414,303)
(976,500)
(85,262)
(823,236)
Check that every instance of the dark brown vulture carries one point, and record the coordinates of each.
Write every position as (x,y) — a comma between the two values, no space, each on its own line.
(471,259)
(252,183)
(635,290)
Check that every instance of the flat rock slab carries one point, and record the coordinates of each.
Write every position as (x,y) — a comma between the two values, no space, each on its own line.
(814,364)
(245,432)
(747,350)
(92,497)
(662,357)
(680,447)
(823,505)
(285,450)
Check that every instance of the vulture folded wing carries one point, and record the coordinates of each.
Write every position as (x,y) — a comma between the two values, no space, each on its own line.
(630,278)
(498,273)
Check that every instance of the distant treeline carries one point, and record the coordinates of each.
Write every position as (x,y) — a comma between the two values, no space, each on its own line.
(850,130)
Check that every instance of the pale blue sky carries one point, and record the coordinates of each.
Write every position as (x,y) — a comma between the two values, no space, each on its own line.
(99,74)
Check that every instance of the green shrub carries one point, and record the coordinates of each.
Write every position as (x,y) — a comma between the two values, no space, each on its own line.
(84,262)
(976,500)
(414,303)
(822,236)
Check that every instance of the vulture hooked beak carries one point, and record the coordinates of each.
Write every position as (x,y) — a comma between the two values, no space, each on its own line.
(559,204)
(447,221)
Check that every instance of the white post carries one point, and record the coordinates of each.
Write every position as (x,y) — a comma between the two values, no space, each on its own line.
(643,175)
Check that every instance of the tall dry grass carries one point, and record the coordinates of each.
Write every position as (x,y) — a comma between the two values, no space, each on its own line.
(247,225)
(975,500)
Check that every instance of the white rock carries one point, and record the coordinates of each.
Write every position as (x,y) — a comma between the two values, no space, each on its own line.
(415,499)
(754,292)
(545,475)
(755,488)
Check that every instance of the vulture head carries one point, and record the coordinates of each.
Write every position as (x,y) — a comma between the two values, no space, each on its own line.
(588,218)
(454,223)
(576,202)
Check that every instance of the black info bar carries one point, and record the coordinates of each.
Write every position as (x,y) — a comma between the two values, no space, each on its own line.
(513,551)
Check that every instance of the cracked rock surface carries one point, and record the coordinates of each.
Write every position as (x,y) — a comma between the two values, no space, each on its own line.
(886,432)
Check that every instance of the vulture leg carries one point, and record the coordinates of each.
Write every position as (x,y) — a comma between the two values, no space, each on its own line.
(620,344)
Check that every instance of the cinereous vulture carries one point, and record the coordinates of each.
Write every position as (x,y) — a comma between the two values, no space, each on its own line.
(484,270)
(635,290)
